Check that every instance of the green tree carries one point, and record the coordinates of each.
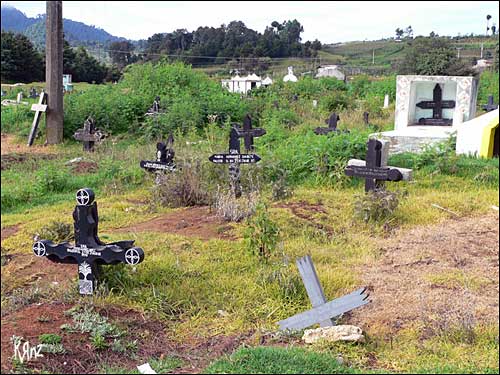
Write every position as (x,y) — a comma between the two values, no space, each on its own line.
(121,53)
(432,56)
(20,62)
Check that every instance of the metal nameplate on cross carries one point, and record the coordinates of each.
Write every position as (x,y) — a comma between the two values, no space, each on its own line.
(89,134)
(164,157)
(375,169)
(437,104)
(89,252)
(234,158)
(322,312)
(39,108)
(332,123)
(491,105)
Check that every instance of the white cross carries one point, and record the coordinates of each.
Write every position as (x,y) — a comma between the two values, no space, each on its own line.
(132,256)
(82,197)
(39,249)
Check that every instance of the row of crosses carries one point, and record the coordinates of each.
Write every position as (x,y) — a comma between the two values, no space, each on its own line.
(89,252)
(234,158)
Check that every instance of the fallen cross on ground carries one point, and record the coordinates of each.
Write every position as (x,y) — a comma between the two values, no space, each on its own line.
(322,311)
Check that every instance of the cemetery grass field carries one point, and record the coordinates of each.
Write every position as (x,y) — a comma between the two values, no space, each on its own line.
(203,300)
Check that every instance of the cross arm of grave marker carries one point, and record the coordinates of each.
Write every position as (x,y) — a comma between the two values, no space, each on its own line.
(88,252)
(375,169)
(491,105)
(164,157)
(248,133)
(322,311)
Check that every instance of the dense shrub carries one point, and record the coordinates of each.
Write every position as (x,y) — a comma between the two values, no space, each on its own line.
(187,96)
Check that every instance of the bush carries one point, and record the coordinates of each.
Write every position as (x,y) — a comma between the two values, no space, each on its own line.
(182,188)
(231,209)
(375,206)
(56,231)
(262,234)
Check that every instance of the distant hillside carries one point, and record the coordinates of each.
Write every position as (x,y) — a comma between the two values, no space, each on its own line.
(76,33)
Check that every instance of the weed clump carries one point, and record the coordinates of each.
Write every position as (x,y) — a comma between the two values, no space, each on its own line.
(182,188)
(262,234)
(376,206)
(56,231)
(230,208)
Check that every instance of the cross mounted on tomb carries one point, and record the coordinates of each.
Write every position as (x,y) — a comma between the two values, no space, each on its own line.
(89,252)
(437,104)
(491,105)
(164,157)
(39,108)
(234,158)
(332,122)
(375,169)
(322,311)
(89,134)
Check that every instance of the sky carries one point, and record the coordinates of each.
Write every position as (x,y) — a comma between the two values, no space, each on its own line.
(328,21)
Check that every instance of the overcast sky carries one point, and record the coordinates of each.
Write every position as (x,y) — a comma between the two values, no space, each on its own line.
(328,21)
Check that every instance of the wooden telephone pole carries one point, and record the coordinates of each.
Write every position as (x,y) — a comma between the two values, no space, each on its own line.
(54,72)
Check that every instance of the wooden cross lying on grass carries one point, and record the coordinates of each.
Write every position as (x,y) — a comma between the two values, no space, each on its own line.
(322,311)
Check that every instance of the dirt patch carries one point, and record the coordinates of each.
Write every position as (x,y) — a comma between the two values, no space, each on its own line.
(81,357)
(24,269)
(191,222)
(308,211)
(447,272)
(9,160)
(82,167)
(11,146)
(9,231)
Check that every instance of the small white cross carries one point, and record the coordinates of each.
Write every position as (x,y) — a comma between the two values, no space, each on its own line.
(39,249)
(82,197)
(132,256)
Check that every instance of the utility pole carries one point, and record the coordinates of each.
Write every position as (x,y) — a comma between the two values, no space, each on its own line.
(373,57)
(458,51)
(54,71)
(482,46)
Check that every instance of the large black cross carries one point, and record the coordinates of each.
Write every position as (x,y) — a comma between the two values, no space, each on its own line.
(490,106)
(374,172)
(88,134)
(332,125)
(437,104)
(164,157)
(89,252)
(234,158)
(248,133)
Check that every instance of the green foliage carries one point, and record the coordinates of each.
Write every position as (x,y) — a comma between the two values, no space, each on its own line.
(98,341)
(488,85)
(375,206)
(49,338)
(166,364)
(262,234)
(276,360)
(188,97)
(335,101)
(432,56)
(86,320)
(56,231)
(20,61)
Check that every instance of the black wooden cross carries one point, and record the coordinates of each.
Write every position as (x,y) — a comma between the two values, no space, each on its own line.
(155,108)
(234,158)
(89,134)
(89,252)
(375,170)
(39,108)
(332,125)
(33,94)
(437,104)
(247,133)
(164,157)
(490,106)
(366,119)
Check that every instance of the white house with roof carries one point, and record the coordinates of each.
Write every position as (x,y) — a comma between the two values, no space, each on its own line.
(330,71)
(242,84)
